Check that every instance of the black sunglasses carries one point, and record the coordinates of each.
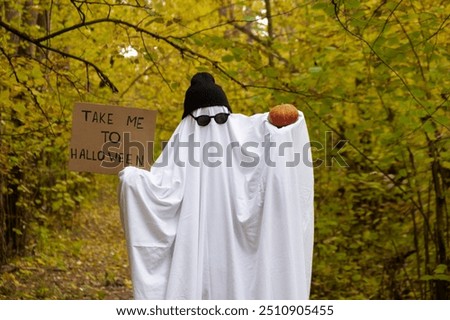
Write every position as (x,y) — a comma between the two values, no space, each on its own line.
(204,120)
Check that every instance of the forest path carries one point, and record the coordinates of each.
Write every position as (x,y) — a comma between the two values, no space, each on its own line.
(87,261)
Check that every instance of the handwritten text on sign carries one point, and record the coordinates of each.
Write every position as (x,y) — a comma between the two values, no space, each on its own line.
(107,138)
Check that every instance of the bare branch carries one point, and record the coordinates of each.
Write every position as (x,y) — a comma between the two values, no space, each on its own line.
(38,43)
(264,44)
(80,12)
(441,27)
(403,81)
(25,37)
(386,21)
(24,84)
(269,29)
(411,44)
(367,158)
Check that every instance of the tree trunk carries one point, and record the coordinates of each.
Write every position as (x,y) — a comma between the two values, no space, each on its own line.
(441,252)
(13,217)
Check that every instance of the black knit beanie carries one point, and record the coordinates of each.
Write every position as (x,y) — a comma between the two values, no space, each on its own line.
(204,92)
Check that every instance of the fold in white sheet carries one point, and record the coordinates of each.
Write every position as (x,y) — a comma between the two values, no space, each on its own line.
(228,215)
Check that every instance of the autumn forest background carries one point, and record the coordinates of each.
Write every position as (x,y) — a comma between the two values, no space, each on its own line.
(372,78)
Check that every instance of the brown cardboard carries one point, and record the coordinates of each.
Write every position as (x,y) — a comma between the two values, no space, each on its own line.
(106,138)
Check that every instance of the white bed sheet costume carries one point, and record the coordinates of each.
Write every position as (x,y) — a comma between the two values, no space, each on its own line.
(226,211)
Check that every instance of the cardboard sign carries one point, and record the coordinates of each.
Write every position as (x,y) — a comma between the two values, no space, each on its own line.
(107,138)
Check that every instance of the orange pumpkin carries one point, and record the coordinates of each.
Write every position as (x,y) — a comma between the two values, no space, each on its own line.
(283,115)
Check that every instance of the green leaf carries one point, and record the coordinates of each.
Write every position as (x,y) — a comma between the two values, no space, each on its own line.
(174,85)
(315,69)
(227,58)
(321,5)
(418,92)
(441,277)
(440,268)
(250,18)
(352,4)
(17,231)
(159,20)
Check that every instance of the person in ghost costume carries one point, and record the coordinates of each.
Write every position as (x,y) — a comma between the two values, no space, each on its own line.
(226,211)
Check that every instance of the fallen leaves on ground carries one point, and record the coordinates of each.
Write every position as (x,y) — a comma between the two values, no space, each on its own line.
(87,261)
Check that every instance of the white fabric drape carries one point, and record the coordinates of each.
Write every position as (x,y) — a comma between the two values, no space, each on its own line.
(226,212)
